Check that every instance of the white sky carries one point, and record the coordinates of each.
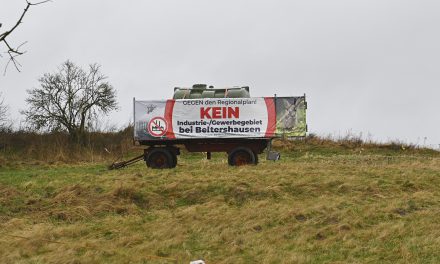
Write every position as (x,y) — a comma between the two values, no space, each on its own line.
(367,66)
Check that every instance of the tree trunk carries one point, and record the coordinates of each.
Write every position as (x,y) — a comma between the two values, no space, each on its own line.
(82,139)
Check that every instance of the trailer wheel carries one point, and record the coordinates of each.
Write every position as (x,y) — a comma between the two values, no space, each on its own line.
(242,156)
(161,158)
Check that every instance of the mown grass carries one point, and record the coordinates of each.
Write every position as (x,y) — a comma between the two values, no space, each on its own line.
(321,203)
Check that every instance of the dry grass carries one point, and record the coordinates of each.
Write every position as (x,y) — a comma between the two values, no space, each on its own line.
(52,148)
(323,203)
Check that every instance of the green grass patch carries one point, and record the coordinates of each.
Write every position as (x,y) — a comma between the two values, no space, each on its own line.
(316,205)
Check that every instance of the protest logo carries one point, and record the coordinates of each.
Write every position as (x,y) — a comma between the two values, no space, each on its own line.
(157,127)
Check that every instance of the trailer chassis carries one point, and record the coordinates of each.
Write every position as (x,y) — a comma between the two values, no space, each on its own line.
(162,154)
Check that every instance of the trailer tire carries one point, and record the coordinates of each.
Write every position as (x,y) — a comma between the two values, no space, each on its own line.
(161,158)
(242,156)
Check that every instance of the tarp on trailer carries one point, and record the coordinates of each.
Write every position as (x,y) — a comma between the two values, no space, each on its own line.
(261,117)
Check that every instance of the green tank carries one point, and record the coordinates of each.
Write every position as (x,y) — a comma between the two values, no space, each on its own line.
(203,91)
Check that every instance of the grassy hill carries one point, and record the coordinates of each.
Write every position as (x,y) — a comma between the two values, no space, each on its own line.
(324,202)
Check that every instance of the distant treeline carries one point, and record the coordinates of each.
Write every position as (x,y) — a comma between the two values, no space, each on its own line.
(58,146)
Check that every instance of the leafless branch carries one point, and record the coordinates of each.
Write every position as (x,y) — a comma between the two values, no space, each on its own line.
(10,50)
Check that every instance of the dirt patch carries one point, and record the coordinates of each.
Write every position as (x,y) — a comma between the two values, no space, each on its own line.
(300,217)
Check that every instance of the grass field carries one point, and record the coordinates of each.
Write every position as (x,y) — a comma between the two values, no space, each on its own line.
(319,204)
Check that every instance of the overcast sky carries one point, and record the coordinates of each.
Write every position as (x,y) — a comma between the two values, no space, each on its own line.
(367,66)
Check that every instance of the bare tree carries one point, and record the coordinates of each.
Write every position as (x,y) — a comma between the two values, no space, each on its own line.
(12,51)
(70,100)
(3,112)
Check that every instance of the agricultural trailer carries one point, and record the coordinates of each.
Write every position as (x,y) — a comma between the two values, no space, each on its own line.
(204,119)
